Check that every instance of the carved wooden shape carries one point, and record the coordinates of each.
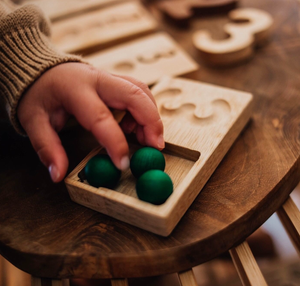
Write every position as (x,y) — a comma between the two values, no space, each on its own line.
(147,59)
(181,11)
(102,28)
(243,37)
(199,119)
(58,9)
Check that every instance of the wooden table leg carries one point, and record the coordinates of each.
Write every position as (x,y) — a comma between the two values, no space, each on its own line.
(12,276)
(119,282)
(289,216)
(246,266)
(2,272)
(36,281)
(187,278)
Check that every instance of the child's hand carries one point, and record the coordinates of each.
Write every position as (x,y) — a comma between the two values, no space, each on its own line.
(87,93)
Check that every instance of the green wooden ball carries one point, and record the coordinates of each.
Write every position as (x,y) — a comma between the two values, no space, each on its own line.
(100,171)
(154,187)
(145,159)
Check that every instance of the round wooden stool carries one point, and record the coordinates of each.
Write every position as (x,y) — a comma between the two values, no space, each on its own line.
(45,234)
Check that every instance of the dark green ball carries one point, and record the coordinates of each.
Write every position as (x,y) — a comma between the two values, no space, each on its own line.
(100,171)
(154,186)
(145,159)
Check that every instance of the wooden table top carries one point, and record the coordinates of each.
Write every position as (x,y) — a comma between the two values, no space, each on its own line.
(44,233)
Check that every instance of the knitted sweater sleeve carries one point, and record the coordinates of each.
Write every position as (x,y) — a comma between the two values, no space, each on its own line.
(25,52)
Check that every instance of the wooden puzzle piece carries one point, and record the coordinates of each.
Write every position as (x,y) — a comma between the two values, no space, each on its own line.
(101,28)
(228,110)
(58,9)
(179,11)
(243,37)
(147,59)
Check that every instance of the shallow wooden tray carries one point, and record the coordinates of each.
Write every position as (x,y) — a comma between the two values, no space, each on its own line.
(201,123)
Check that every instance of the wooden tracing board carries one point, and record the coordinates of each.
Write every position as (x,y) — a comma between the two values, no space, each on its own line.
(58,9)
(201,123)
(102,28)
(147,59)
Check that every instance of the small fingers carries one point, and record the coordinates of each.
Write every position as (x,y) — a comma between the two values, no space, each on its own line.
(95,116)
(122,94)
(47,144)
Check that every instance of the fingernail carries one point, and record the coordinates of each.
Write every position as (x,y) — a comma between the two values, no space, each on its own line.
(125,162)
(54,173)
(160,142)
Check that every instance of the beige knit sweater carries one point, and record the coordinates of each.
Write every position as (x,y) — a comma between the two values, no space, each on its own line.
(25,52)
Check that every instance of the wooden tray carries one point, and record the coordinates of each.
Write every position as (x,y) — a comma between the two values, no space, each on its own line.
(201,123)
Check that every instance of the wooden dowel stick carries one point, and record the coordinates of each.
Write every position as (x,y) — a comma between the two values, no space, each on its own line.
(119,282)
(187,278)
(12,276)
(36,281)
(2,271)
(289,216)
(246,266)
(66,282)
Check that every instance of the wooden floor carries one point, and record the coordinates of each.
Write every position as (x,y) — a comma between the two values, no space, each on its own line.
(279,270)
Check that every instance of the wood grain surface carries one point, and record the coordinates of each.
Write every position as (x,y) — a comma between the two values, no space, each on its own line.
(44,233)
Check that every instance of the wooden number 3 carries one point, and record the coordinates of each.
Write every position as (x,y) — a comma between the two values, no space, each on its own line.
(243,37)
